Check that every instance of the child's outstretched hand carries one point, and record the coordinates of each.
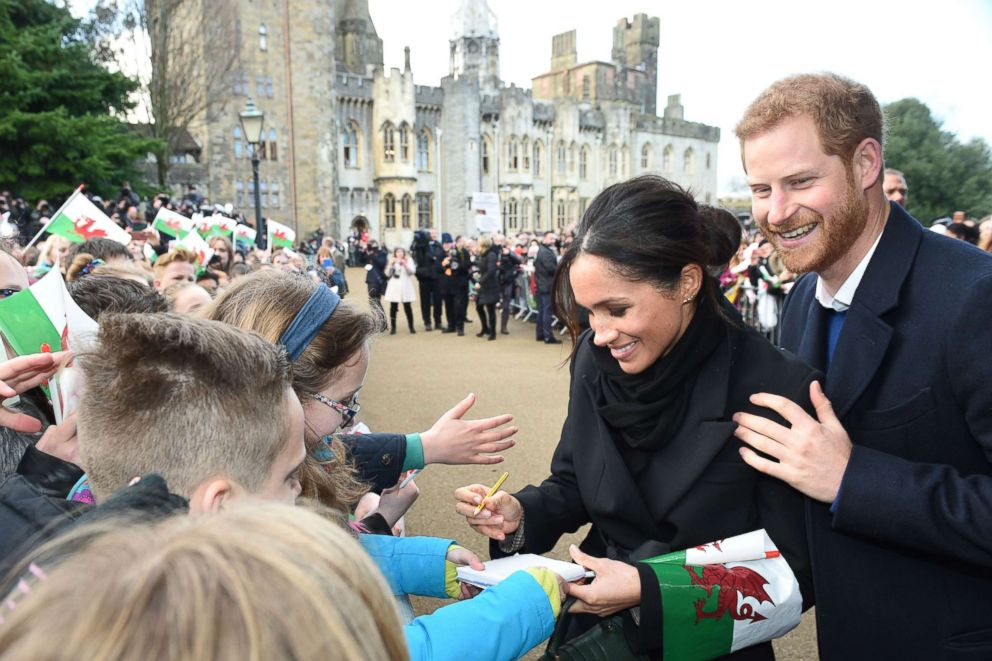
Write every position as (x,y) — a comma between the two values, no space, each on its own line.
(452,440)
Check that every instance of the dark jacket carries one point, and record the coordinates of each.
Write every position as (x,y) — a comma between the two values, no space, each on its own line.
(545,265)
(508,265)
(457,270)
(489,289)
(694,490)
(428,258)
(903,566)
(377,457)
(375,277)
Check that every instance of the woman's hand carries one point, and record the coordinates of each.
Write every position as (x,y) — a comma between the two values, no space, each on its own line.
(452,440)
(616,587)
(21,374)
(500,516)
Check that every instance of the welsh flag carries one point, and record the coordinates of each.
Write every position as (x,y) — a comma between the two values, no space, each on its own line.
(280,235)
(172,223)
(195,243)
(79,219)
(44,318)
(216,225)
(724,596)
(244,234)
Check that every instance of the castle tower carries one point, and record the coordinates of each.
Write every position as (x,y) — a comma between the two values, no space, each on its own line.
(475,45)
(635,46)
(357,48)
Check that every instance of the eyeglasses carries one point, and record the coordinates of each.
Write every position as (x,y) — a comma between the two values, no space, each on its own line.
(348,408)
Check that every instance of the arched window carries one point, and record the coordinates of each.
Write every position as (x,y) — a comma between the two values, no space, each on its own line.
(405,206)
(525,214)
(486,151)
(611,156)
(572,209)
(707,160)
(624,161)
(513,154)
(274,195)
(268,87)
(689,161)
(349,144)
(586,88)
(260,86)
(389,210)
(646,156)
(584,163)
(424,151)
(560,214)
(525,151)
(264,193)
(404,142)
(273,149)
(666,160)
(571,157)
(239,194)
(237,142)
(389,145)
(511,213)
(263,43)
(538,157)
(562,155)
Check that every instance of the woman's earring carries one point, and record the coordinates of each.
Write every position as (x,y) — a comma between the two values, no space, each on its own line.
(686,300)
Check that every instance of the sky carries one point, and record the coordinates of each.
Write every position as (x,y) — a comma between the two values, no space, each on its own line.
(719,55)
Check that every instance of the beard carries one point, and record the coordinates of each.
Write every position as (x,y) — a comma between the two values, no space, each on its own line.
(837,233)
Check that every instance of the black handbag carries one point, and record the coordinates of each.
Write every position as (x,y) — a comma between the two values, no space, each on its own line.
(606,641)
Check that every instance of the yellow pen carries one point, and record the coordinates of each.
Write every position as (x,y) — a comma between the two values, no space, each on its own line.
(492,492)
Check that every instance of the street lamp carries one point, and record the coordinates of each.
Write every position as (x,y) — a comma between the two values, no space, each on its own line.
(252,120)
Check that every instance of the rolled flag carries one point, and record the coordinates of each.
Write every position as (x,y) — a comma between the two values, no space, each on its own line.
(244,234)
(172,223)
(280,236)
(195,243)
(216,225)
(79,219)
(44,318)
(724,596)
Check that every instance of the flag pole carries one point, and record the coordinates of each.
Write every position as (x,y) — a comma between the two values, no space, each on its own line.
(55,215)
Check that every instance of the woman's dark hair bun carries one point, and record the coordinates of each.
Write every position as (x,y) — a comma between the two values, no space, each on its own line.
(723,234)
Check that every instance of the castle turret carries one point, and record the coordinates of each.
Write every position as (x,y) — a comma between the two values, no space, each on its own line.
(475,45)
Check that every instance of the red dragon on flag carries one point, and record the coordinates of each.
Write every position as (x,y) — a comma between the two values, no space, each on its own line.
(87,228)
(730,582)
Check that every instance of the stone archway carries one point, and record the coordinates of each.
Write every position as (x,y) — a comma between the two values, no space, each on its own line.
(360,224)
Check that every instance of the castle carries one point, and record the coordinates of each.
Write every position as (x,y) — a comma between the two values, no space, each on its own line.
(350,145)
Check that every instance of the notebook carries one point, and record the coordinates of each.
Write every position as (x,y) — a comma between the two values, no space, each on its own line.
(499,570)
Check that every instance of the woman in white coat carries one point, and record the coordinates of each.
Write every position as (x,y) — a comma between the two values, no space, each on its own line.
(399,288)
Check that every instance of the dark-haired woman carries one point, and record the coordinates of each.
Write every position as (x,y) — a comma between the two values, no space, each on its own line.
(647,453)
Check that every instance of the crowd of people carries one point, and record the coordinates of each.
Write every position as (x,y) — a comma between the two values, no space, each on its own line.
(189,480)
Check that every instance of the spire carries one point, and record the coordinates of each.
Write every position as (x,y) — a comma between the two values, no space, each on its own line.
(474,19)
(406,59)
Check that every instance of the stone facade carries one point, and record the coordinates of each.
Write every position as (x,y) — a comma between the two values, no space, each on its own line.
(355,146)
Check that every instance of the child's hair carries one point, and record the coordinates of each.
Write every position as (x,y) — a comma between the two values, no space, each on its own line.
(174,255)
(104,249)
(266,302)
(185,398)
(102,293)
(259,581)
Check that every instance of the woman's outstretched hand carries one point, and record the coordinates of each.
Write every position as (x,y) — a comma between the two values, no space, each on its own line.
(452,440)
(615,588)
(499,517)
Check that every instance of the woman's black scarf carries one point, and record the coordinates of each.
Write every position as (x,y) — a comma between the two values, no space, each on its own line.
(646,409)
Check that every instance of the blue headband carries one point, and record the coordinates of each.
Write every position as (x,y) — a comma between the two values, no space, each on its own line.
(314,313)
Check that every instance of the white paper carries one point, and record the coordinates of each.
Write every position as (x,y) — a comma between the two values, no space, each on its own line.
(499,570)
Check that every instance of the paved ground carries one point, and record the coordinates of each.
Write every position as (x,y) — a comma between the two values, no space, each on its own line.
(413,379)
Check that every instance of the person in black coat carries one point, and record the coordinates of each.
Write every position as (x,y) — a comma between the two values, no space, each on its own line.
(375,276)
(508,265)
(427,255)
(487,288)
(898,463)
(454,284)
(647,453)
(545,265)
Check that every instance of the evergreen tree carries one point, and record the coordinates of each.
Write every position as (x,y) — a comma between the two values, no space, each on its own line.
(60,123)
(944,175)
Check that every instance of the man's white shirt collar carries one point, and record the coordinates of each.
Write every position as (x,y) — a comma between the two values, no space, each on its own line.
(841,301)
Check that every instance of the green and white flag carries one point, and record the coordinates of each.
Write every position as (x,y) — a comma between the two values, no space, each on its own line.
(216,225)
(79,219)
(244,234)
(724,596)
(195,244)
(172,223)
(280,236)
(44,318)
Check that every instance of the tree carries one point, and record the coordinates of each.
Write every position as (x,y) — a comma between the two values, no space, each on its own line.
(944,175)
(185,53)
(60,123)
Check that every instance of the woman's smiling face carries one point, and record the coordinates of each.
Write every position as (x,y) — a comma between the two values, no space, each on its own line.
(638,322)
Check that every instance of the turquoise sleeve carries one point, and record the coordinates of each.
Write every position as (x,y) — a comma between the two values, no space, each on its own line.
(414,452)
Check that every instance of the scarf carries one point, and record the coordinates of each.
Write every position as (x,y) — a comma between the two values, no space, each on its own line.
(646,409)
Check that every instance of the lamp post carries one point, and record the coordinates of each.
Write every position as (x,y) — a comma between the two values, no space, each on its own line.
(252,120)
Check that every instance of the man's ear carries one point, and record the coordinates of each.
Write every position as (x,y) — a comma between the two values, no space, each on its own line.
(212,495)
(868,163)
